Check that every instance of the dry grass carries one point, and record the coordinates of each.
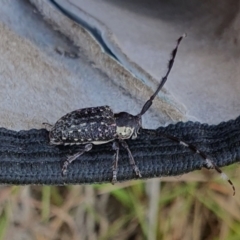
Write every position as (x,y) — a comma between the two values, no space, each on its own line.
(181,208)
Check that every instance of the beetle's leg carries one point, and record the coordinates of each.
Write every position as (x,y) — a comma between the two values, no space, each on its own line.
(47,126)
(131,159)
(70,159)
(115,146)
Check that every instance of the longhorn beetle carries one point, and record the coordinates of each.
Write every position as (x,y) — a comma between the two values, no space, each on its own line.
(99,125)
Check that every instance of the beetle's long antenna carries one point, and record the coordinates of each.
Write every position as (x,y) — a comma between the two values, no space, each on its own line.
(209,162)
(148,104)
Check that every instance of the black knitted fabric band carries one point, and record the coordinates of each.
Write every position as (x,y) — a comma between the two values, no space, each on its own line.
(27,158)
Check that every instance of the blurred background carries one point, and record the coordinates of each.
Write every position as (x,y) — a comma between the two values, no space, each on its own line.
(58,56)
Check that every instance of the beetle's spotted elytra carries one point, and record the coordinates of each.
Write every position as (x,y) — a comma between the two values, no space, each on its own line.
(99,125)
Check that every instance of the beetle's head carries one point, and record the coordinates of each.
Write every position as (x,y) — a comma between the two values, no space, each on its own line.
(127,125)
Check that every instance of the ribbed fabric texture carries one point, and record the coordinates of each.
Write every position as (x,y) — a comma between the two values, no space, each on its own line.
(27,158)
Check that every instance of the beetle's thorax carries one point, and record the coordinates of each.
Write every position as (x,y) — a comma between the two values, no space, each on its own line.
(127,125)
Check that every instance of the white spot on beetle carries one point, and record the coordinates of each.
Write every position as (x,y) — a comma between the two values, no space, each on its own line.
(101,142)
(224,176)
(209,163)
(124,132)
(184,144)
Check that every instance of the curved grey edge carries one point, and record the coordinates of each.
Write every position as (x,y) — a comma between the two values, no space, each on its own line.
(27,158)
(105,38)
(123,71)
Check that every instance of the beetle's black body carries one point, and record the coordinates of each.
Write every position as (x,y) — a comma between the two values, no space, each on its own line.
(100,125)
(89,125)
(96,126)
